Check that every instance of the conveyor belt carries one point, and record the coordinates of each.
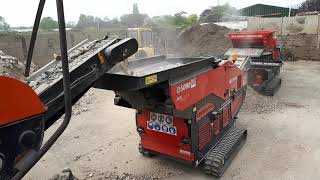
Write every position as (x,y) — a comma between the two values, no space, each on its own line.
(86,65)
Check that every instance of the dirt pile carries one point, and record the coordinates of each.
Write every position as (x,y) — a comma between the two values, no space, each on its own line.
(12,67)
(259,104)
(203,40)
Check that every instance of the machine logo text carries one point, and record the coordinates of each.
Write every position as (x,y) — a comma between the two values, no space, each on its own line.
(188,85)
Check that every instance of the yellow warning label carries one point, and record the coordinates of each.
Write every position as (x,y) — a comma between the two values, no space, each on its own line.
(151,79)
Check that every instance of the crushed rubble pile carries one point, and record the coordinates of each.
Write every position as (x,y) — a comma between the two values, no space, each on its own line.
(11,66)
(259,104)
(203,40)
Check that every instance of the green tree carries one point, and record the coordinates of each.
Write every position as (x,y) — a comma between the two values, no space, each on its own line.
(85,21)
(192,19)
(70,24)
(106,19)
(178,20)
(135,9)
(4,26)
(135,19)
(309,6)
(115,21)
(48,23)
(161,21)
(218,13)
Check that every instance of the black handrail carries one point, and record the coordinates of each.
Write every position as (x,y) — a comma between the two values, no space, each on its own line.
(34,37)
(26,166)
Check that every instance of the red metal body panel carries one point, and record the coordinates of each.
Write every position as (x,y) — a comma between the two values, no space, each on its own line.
(17,101)
(186,94)
(221,82)
(225,121)
(165,143)
(236,105)
(215,82)
(251,39)
(262,39)
(204,135)
(203,111)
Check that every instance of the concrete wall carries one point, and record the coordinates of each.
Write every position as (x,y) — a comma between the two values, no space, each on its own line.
(47,43)
(300,34)
(274,24)
(12,45)
(287,25)
(300,25)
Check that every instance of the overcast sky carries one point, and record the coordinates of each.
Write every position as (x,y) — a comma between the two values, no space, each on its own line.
(22,12)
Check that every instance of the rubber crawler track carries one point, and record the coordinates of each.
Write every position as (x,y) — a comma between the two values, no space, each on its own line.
(219,159)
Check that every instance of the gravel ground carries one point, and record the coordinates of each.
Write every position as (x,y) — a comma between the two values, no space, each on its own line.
(255,103)
(283,138)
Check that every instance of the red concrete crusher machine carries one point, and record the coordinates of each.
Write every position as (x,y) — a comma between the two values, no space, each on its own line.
(266,58)
(186,107)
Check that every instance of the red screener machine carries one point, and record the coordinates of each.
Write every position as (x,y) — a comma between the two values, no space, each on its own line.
(186,107)
(266,58)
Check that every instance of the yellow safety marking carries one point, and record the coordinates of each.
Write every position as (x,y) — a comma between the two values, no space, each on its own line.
(151,79)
